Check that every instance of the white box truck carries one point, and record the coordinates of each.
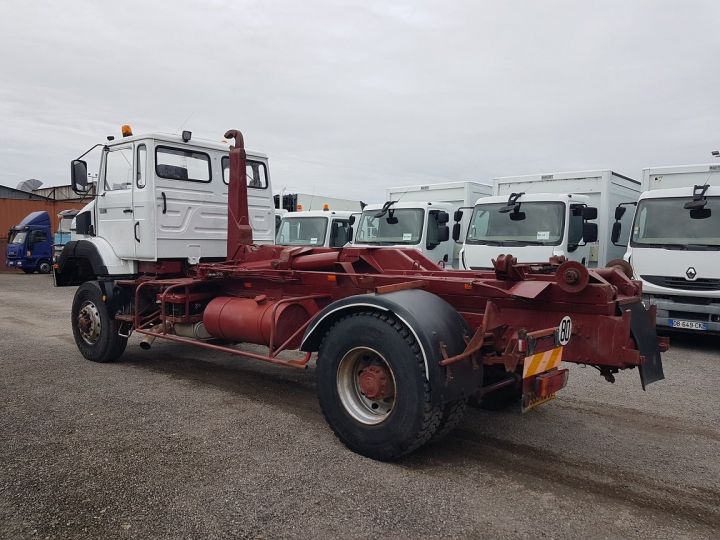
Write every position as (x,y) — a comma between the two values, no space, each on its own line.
(538,216)
(418,217)
(674,247)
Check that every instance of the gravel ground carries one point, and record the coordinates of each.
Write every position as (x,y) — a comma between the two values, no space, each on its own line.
(179,442)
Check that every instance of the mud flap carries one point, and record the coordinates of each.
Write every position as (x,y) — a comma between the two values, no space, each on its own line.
(643,330)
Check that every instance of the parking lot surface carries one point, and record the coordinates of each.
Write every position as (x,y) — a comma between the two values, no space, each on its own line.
(182,442)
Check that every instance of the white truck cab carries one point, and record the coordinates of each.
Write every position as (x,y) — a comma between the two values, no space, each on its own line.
(674,245)
(532,227)
(160,198)
(316,228)
(419,225)
(562,206)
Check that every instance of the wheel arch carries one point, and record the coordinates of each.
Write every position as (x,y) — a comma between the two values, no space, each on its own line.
(434,323)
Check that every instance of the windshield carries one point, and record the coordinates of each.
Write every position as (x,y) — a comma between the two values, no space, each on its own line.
(18,237)
(404,227)
(302,231)
(665,223)
(543,225)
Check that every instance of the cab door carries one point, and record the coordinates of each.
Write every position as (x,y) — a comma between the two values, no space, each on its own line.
(144,205)
(115,221)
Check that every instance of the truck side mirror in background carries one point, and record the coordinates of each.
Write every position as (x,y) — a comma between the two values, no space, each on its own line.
(443,233)
(456,231)
(78,176)
(615,234)
(442,218)
(590,232)
(700,213)
(619,212)
(517,216)
(351,219)
(458,215)
(589,213)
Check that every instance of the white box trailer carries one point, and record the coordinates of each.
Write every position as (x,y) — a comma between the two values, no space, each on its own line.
(604,188)
(298,202)
(463,193)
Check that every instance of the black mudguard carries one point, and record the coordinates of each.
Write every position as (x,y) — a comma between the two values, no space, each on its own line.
(436,325)
(643,331)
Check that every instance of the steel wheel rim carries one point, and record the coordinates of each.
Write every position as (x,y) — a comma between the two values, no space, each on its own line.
(45,268)
(360,407)
(88,323)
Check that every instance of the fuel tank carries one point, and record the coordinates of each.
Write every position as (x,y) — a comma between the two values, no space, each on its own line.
(250,320)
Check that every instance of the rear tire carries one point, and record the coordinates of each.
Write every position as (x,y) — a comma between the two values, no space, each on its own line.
(94,328)
(403,418)
(452,415)
(44,267)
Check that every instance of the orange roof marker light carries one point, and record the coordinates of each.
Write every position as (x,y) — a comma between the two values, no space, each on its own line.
(126,130)
(326,207)
(299,207)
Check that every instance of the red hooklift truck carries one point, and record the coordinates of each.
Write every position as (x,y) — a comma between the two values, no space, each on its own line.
(401,344)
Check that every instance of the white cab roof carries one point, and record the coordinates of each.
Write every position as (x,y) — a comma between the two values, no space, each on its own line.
(319,213)
(176,139)
(536,197)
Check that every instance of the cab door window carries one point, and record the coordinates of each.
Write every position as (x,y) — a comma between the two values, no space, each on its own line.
(339,233)
(119,168)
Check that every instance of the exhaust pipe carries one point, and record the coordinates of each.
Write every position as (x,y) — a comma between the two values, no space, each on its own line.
(148,339)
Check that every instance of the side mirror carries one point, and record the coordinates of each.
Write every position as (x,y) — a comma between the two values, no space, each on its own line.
(78,176)
(442,218)
(458,215)
(456,232)
(517,216)
(589,213)
(590,232)
(351,220)
(443,233)
(619,212)
(350,233)
(615,234)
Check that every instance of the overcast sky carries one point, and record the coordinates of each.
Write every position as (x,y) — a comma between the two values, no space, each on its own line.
(348,98)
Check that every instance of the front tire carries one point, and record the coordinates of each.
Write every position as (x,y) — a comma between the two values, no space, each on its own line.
(44,267)
(94,328)
(372,388)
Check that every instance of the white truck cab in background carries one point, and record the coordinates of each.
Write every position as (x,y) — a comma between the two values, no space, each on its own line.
(539,216)
(417,209)
(160,198)
(674,247)
(419,225)
(316,228)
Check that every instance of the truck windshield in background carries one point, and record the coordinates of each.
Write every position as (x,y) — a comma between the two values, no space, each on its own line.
(542,225)
(302,231)
(401,226)
(18,237)
(665,223)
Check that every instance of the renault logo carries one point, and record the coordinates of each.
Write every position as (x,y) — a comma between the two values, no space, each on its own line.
(691,273)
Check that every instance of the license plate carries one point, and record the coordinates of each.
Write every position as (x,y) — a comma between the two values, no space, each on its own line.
(688,325)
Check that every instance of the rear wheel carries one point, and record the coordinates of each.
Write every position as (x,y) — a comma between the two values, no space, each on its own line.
(94,328)
(452,415)
(372,388)
(44,267)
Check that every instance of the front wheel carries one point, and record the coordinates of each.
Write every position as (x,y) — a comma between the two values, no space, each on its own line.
(94,328)
(372,388)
